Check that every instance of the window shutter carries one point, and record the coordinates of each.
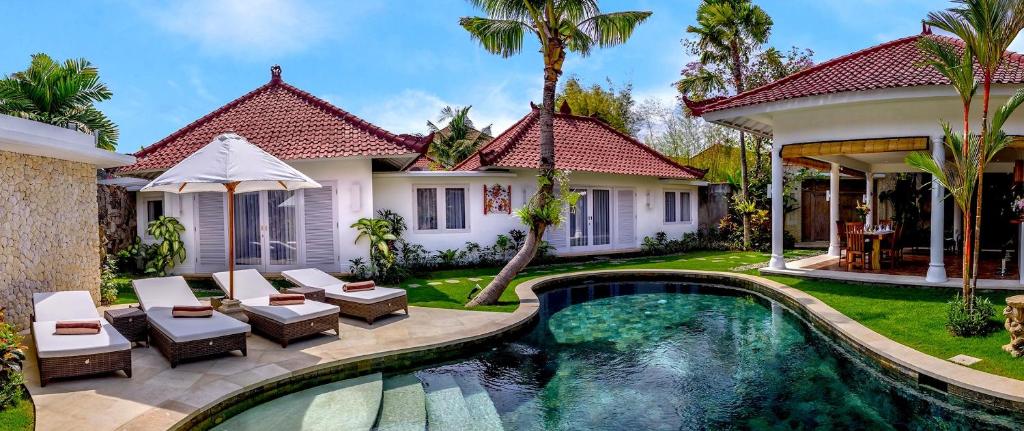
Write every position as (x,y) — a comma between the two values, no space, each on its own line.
(211,231)
(318,221)
(556,235)
(625,216)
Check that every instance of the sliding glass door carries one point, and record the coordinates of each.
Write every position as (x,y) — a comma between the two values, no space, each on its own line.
(266,230)
(590,220)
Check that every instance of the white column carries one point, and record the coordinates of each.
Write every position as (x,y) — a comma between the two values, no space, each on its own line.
(936,265)
(778,225)
(869,195)
(833,211)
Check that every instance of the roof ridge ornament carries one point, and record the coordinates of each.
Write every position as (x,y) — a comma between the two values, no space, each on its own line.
(565,109)
(275,73)
(925,28)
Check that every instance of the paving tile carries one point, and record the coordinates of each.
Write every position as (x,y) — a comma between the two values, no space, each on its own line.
(964,360)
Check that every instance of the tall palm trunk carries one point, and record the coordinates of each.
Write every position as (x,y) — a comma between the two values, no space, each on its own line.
(493,291)
(967,233)
(737,78)
(986,92)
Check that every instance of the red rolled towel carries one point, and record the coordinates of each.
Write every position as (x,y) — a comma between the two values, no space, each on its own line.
(287,299)
(358,286)
(78,327)
(192,311)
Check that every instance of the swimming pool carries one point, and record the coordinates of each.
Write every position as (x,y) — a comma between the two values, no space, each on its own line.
(645,355)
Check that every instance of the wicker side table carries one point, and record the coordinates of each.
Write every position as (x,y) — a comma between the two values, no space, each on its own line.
(131,322)
(311,293)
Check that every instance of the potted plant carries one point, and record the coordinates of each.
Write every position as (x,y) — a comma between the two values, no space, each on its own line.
(862,210)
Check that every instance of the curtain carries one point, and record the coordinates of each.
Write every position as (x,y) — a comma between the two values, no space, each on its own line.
(426,209)
(670,207)
(602,217)
(455,208)
(154,209)
(578,221)
(684,206)
(281,226)
(247,229)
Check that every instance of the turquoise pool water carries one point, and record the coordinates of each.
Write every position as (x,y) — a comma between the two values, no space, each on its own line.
(653,355)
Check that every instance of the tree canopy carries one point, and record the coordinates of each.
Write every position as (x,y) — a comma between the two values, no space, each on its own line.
(612,105)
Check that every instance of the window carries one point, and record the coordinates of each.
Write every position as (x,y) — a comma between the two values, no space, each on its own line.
(154,210)
(433,214)
(677,207)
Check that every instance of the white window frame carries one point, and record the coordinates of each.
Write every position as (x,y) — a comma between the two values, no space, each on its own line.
(679,206)
(441,206)
(143,219)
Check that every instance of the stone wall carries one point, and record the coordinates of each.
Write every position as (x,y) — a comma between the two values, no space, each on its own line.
(48,231)
(116,217)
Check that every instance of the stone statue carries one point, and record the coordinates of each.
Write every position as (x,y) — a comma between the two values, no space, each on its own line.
(1014,313)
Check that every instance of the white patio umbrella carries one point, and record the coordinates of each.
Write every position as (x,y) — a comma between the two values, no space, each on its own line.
(233,165)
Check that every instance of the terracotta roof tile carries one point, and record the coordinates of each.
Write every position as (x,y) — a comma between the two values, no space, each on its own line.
(581,144)
(893,64)
(286,122)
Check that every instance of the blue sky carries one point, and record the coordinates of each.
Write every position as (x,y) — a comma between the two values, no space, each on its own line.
(392,62)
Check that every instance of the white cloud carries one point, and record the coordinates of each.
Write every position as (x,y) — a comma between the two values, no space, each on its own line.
(409,110)
(245,28)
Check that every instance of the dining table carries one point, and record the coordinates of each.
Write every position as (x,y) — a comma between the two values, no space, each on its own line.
(876,237)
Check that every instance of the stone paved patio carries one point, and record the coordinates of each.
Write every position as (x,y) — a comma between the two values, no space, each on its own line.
(157,397)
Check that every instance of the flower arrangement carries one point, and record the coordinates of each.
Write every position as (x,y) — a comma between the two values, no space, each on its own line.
(1017,206)
(862,210)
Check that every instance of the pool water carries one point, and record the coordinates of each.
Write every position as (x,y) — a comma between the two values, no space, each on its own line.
(657,355)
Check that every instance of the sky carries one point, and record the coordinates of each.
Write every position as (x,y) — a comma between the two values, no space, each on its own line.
(395,63)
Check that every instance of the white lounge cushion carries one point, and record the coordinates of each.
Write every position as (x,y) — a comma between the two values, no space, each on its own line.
(69,305)
(50,345)
(182,329)
(289,313)
(372,296)
(249,283)
(310,277)
(163,292)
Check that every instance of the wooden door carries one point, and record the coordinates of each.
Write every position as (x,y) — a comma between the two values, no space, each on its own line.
(814,212)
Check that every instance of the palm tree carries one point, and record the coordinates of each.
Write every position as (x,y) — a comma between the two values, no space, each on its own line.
(559,26)
(457,140)
(987,28)
(727,31)
(379,232)
(60,94)
(959,69)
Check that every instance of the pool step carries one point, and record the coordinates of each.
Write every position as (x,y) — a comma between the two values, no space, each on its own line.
(447,409)
(345,405)
(403,407)
(481,407)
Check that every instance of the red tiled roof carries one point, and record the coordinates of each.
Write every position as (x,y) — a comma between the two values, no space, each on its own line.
(581,144)
(285,121)
(893,64)
(422,163)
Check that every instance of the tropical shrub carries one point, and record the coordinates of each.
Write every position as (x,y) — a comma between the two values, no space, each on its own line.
(169,250)
(108,285)
(378,232)
(358,269)
(12,355)
(964,321)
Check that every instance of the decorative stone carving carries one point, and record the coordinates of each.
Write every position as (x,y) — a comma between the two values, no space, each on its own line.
(116,217)
(48,232)
(1014,313)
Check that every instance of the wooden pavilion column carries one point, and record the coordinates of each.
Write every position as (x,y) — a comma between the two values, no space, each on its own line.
(936,264)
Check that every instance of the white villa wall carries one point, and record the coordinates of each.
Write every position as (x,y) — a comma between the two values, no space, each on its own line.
(395,192)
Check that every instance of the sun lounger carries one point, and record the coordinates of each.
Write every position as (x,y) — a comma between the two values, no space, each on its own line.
(367,304)
(184,338)
(282,323)
(75,355)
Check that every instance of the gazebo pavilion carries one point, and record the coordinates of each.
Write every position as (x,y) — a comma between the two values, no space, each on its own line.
(861,115)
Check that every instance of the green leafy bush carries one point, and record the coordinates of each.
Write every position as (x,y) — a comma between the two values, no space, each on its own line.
(11,357)
(962,321)
(108,285)
(169,250)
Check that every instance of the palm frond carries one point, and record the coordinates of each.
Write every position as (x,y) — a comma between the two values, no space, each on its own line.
(614,28)
(498,36)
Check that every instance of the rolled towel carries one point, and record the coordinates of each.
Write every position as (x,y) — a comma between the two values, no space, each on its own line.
(358,286)
(78,327)
(192,311)
(287,299)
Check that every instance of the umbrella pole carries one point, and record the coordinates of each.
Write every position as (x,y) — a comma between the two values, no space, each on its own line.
(231,239)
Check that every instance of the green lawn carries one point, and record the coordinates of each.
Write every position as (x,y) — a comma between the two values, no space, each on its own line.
(912,316)
(19,417)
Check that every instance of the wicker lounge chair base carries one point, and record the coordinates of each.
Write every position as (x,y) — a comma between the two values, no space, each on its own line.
(177,352)
(371,312)
(83,365)
(285,332)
